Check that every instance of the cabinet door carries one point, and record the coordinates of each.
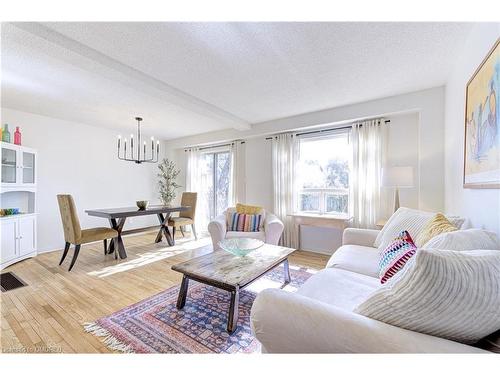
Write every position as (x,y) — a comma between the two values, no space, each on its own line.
(9,165)
(27,227)
(9,240)
(28,168)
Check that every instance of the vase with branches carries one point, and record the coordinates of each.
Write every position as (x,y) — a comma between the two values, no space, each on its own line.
(167,181)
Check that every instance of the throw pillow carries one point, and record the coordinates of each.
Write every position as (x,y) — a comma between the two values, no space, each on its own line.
(247,209)
(261,211)
(461,240)
(244,223)
(437,225)
(449,294)
(395,256)
(408,219)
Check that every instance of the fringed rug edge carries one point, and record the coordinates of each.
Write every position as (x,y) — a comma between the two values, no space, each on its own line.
(111,342)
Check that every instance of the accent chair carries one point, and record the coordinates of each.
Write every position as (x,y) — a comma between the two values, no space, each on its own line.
(270,231)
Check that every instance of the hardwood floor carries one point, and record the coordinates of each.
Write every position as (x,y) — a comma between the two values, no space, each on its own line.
(47,315)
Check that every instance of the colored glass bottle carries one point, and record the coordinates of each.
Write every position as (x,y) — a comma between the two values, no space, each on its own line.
(17,136)
(6,133)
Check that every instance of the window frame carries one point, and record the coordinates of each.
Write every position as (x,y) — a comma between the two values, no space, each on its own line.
(324,192)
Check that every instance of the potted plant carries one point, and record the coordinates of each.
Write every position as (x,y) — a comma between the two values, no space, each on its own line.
(166,181)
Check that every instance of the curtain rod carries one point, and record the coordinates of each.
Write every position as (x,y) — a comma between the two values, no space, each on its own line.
(325,130)
(215,146)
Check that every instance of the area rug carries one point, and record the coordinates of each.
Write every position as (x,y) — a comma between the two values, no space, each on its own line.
(154,325)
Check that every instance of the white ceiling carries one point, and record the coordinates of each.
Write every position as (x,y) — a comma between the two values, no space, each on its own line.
(191,78)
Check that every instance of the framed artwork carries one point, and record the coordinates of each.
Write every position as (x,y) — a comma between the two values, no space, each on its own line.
(482,124)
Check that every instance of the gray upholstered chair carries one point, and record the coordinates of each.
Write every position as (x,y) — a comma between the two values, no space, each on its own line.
(73,233)
(185,217)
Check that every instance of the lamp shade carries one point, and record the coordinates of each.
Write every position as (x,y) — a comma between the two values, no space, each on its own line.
(397,177)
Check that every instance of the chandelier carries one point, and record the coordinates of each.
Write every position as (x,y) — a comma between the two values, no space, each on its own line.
(136,157)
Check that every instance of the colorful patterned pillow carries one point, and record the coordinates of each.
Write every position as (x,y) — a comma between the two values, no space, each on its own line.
(395,256)
(244,223)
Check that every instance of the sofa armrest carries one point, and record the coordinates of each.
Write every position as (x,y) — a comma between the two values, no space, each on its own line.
(287,322)
(273,228)
(217,229)
(361,237)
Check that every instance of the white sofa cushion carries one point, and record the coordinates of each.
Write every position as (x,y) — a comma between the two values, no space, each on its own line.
(411,220)
(461,240)
(449,294)
(359,236)
(356,258)
(343,289)
(258,235)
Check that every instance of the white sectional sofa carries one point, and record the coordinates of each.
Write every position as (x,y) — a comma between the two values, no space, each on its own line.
(318,318)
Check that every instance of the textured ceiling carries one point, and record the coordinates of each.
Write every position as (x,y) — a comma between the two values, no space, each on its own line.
(189,78)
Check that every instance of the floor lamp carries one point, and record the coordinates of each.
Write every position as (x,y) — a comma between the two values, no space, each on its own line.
(397,177)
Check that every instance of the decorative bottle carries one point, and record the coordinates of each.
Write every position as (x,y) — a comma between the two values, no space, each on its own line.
(17,136)
(6,133)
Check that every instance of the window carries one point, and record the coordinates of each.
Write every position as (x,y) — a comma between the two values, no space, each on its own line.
(215,183)
(323,174)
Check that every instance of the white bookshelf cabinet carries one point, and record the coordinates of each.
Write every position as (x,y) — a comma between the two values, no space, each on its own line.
(18,179)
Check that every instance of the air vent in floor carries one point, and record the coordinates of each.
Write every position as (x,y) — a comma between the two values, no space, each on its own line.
(10,281)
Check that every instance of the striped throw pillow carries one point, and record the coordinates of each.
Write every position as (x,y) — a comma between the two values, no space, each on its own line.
(395,256)
(244,223)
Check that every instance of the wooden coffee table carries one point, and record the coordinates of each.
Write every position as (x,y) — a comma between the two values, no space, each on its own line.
(229,272)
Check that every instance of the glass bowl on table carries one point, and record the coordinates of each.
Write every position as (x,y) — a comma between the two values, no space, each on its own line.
(240,246)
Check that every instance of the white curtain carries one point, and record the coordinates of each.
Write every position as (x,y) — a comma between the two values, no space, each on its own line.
(193,175)
(285,155)
(194,184)
(237,183)
(367,145)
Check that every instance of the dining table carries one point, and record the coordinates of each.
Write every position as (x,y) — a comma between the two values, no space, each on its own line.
(118,216)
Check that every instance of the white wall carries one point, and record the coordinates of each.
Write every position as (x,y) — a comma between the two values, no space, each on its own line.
(81,160)
(403,150)
(481,206)
(258,173)
(405,145)
(178,156)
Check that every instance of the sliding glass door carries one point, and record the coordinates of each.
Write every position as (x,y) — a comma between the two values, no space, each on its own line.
(215,183)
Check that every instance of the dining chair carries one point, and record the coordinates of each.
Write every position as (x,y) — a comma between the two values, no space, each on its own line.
(185,217)
(73,233)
